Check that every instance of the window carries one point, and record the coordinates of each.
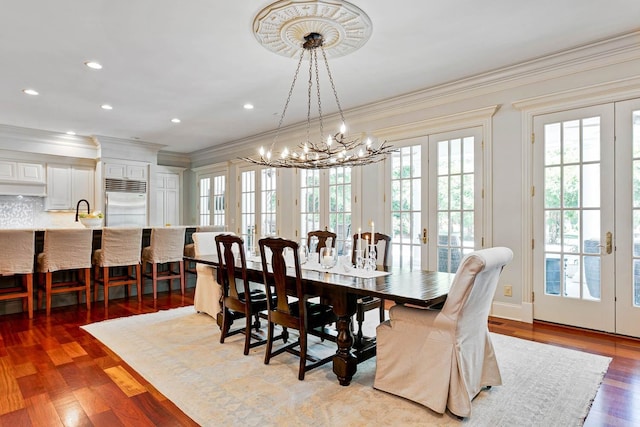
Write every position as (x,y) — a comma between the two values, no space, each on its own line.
(204,212)
(218,200)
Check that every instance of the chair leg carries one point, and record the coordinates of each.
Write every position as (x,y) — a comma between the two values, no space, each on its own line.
(105,285)
(182,284)
(29,283)
(247,332)
(226,324)
(303,354)
(139,282)
(269,346)
(96,284)
(381,310)
(87,287)
(154,280)
(48,286)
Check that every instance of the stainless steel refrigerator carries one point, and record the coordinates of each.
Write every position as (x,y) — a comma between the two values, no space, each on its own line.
(125,203)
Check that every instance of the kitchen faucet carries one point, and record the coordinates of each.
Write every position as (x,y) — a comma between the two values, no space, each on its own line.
(78,207)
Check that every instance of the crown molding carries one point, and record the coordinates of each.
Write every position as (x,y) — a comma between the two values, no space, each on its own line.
(613,51)
(40,141)
(127,149)
(170,158)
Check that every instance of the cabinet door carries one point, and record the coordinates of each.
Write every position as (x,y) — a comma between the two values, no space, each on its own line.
(83,185)
(8,170)
(114,170)
(30,172)
(136,172)
(58,187)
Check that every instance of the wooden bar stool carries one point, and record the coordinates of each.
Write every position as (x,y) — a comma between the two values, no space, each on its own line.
(17,249)
(120,247)
(167,247)
(65,250)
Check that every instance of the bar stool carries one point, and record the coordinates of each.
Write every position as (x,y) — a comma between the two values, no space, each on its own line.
(18,250)
(167,247)
(120,247)
(65,250)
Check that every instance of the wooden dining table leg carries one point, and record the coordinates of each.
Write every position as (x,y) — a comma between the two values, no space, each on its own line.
(345,363)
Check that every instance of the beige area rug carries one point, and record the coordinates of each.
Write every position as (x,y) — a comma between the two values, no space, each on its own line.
(178,351)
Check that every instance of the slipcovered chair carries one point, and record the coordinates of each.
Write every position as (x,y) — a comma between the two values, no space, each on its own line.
(189,248)
(442,358)
(297,313)
(166,248)
(18,250)
(367,303)
(208,293)
(120,247)
(65,250)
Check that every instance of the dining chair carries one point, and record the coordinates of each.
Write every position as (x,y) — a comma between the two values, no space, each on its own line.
(207,297)
(442,358)
(367,303)
(322,236)
(166,249)
(297,313)
(120,248)
(65,250)
(246,303)
(189,248)
(18,250)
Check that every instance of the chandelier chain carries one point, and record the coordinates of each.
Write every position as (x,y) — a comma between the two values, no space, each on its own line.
(286,104)
(333,86)
(314,55)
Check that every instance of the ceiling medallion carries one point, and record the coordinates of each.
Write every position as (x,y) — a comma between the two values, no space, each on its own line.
(313,28)
(282,26)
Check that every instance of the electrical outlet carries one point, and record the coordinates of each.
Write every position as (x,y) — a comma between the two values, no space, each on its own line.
(507,290)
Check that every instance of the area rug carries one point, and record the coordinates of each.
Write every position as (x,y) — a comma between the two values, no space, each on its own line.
(178,351)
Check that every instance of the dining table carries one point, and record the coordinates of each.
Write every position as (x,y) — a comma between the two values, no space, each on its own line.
(342,285)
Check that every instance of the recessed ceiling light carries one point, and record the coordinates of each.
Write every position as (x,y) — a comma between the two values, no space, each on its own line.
(106,107)
(94,65)
(248,106)
(71,132)
(30,91)
(175,120)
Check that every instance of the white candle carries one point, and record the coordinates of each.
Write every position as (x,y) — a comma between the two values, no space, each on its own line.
(373,233)
(359,238)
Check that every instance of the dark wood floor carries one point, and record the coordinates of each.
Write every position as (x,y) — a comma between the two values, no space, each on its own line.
(53,373)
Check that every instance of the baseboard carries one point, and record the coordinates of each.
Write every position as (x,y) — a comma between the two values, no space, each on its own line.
(519,312)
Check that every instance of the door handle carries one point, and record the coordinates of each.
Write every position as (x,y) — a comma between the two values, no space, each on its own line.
(424,236)
(609,244)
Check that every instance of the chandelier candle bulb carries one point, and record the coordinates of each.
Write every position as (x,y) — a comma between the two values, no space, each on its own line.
(359,238)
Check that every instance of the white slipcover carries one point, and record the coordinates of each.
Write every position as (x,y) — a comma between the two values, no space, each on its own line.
(167,245)
(442,358)
(65,249)
(120,246)
(208,291)
(17,248)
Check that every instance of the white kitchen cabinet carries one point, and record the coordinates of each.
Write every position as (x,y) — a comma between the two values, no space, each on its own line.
(125,171)
(168,198)
(21,171)
(67,184)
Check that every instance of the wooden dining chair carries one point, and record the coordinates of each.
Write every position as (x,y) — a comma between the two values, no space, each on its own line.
(18,250)
(322,236)
(299,313)
(367,303)
(245,304)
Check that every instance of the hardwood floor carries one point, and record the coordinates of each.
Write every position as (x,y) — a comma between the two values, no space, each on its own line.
(53,373)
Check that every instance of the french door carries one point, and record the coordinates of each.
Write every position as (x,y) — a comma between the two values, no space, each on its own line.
(586,213)
(436,199)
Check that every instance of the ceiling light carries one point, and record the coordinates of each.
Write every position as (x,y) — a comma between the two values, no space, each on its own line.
(106,107)
(30,92)
(70,132)
(310,28)
(248,106)
(175,120)
(94,65)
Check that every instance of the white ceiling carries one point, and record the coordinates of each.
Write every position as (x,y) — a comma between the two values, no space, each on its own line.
(199,61)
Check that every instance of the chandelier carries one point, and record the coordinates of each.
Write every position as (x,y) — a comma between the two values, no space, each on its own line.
(334,149)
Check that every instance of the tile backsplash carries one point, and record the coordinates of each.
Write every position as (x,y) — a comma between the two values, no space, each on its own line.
(28,212)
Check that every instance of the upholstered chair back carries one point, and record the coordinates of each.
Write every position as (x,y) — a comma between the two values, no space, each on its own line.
(120,246)
(66,249)
(17,248)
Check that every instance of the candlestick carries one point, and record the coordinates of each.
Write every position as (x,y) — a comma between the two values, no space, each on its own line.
(373,233)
